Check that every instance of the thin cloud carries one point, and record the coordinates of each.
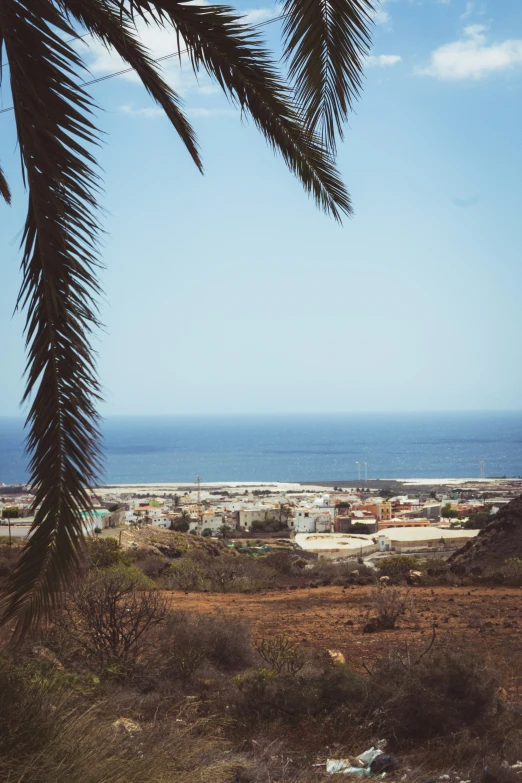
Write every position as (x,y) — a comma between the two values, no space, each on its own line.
(162,41)
(471,58)
(466,203)
(383,60)
(152,112)
(467,11)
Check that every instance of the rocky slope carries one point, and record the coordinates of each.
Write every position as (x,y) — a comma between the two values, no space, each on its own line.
(500,540)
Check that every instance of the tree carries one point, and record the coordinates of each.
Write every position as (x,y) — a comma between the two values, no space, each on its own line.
(11,512)
(449,513)
(479,520)
(181,525)
(359,527)
(225,531)
(324,46)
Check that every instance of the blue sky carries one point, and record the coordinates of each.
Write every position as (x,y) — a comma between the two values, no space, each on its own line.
(232,293)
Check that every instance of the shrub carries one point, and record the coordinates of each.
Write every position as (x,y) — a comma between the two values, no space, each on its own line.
(110,616)
(48,737)
(282,654)
(387,605)
(104,552)
(512,570)
(398,565)
(225,532)
(8,559)
(150,563)
(281,561)
(442,693)
(329,693)
(26,717)
(187,640)
(184,575)
(272,525)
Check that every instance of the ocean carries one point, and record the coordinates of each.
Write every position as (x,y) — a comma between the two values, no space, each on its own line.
(295,447)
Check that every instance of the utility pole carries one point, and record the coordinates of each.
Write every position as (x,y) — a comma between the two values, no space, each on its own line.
(358,469)
(366,471)
(200,514)
(482,468)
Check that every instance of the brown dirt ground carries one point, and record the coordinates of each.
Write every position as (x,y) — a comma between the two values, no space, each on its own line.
(487,619)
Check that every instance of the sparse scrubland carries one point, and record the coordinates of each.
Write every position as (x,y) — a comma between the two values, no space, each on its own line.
(134,680)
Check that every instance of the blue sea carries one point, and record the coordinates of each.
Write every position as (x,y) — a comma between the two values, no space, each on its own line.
(295,447)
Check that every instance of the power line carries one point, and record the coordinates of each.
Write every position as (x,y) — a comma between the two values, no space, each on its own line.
(156,59)
(68,41)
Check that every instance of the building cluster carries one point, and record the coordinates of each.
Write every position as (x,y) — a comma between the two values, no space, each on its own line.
(271,511)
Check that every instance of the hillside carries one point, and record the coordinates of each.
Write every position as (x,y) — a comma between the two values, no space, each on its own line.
(500,540)
(170,543)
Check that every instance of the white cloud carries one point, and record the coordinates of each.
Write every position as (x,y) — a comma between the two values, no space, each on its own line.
(257,15)
(383,60)
(472,58)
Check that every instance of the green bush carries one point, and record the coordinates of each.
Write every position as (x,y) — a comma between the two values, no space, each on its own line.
(104,553)
(398,565)
(440,694)
(335,692)
(187,640)
(181,525)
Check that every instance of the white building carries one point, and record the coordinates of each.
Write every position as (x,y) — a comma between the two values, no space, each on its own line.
(312,520)
(414,539)
(261,513)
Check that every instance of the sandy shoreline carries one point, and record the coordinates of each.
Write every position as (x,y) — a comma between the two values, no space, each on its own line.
(288,486)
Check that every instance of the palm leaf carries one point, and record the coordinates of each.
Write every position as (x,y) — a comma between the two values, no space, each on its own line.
(4,187)
(220,42)
(59,255)
(115,30)
(326,42)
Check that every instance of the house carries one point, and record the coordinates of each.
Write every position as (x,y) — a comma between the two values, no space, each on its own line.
(312,520)
(261,513)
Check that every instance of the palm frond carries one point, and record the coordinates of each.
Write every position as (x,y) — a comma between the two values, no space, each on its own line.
(4,187)
(117,31)
(219,41)
(326,42)
(58,290)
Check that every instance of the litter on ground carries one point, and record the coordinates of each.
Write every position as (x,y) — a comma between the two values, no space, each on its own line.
(372,762)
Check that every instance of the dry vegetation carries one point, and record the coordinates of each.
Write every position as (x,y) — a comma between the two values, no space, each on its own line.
(133,682)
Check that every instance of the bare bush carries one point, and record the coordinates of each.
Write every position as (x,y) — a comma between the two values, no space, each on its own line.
(281,653)
(387,605)
(185,574)
(110,617)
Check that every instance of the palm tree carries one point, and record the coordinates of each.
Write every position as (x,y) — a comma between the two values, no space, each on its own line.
(325,42)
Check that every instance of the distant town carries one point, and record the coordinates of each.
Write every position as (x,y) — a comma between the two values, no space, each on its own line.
(333,522)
